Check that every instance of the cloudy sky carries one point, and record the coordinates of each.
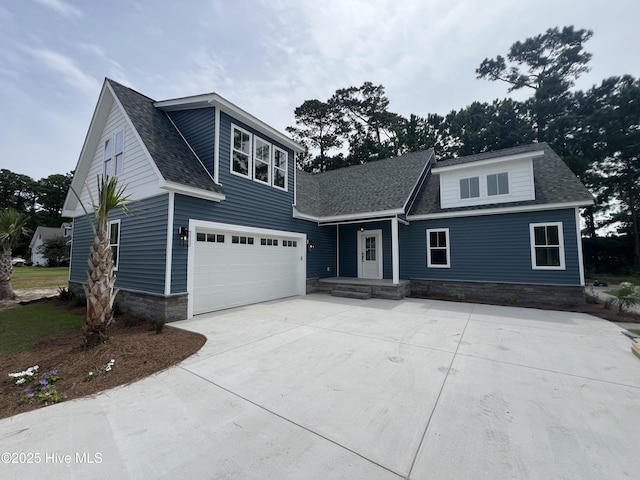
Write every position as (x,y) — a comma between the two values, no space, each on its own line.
(267,56)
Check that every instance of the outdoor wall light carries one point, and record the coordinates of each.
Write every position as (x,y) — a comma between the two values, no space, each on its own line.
(183,234)
(362,228)
(310,245)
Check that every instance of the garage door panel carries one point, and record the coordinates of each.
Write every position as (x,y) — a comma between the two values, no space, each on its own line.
(228,274)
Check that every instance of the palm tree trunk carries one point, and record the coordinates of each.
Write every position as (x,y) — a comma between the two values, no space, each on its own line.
(99,290)
(6,270)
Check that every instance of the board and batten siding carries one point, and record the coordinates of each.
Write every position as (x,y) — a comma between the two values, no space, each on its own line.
(491,248)
(143,240)
(138,174)
(198,126)
(521,185)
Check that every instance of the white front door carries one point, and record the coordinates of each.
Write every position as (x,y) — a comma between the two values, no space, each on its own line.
(370,254)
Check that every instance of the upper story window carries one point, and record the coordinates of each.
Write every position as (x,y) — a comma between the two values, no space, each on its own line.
(279,168)
(262,161)
(470,187)
(255,158)
(547,246)
(113,228)
(114,154)
(498,184)
(241,152)
(438,252)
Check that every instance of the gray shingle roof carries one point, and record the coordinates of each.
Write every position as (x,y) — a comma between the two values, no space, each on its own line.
(372,187)
(173,157)
(554,182)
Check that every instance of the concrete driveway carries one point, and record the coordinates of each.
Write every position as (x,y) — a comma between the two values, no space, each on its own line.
(319,387)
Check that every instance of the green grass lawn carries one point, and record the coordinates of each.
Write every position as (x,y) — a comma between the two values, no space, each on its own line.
(39,277)
(22,327)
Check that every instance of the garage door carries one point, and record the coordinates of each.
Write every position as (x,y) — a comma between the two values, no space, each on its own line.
(234,268)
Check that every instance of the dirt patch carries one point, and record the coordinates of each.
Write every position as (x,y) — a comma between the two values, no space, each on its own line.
(138,352)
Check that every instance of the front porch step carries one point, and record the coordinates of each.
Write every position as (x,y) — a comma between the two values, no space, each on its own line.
(361,293)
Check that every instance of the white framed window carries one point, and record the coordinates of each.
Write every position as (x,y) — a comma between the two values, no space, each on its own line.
(240,152)
(114,155)
(547,246)
(262,161)
(469,187)
(280,168)
(438,249)
(113,230)
(498,184)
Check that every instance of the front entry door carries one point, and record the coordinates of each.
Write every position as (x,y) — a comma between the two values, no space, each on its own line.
(370,254)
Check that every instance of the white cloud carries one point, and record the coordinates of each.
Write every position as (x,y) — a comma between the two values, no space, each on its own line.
(62,8)
(67,68)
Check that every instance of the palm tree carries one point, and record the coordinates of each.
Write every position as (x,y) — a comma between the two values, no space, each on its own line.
(99,289)
(12,227)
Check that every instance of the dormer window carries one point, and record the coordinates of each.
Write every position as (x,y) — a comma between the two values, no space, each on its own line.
(470,187)
(498,184)
(114,154)
(257,159)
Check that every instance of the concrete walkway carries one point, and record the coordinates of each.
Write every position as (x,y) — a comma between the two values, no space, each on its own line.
(320,387)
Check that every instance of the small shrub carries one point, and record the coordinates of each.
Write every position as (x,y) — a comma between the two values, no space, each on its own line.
(627,295)
(158,325)
(65,294)
(129,320)
(608,303)
(457,294)
(510,299)
(79,300)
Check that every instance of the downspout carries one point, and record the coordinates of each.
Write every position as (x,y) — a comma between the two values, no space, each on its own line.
(579,242)
(216,147)
(337,250)
(169,255)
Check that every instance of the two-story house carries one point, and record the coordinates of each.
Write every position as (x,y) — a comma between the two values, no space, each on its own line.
(222,218)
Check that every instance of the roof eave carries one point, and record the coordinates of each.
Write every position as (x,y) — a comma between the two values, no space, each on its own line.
(347,217)
(501,210)
(193,191)
(215,100)
(489,161)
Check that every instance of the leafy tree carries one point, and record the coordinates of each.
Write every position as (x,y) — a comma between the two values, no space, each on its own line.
(52,192)
(17,191)
(101,279)
(12,227)
(319,126)
(548,64)
(56,251)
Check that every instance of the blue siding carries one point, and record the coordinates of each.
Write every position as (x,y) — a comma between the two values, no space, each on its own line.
(198,128)
(321,261)
(143,239)
(247,197)
(349,248)
(494,248)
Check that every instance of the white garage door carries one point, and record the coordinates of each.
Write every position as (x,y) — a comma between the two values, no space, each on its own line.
(234,268)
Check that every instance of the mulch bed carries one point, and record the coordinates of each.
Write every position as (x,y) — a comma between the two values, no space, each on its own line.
(138,352)
(596,309)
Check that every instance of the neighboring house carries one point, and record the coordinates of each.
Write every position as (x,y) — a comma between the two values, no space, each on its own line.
(222,218)
(46,233)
